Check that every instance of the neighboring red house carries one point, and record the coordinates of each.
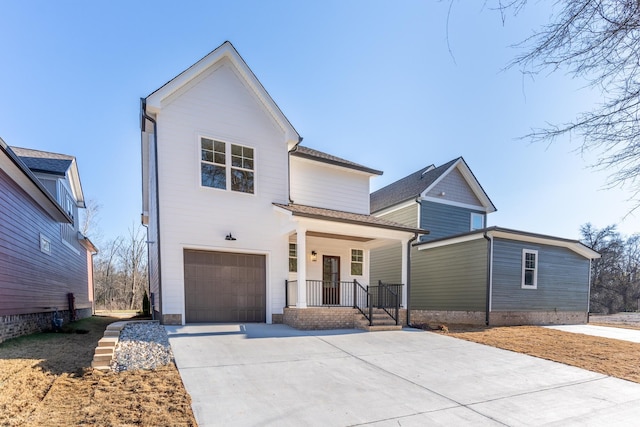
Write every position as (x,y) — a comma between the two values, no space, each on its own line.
(45,262)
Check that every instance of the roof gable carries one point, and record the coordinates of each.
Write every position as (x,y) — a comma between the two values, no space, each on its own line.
(55,164)
(225,52)
(15,168)
(424,183)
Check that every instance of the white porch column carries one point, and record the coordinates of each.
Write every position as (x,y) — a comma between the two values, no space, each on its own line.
(405,272)
(301,249)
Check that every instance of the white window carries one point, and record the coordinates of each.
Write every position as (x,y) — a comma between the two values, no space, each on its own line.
(226,166)
(477,221)
(529,269)
(293,258)
(357,261)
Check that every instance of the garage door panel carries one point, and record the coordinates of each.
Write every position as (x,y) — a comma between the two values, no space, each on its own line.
(224,287)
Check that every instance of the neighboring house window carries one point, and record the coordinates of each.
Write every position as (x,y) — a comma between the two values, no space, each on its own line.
(529,269)
(45,245)
(477,221)
(221,163)
(293,258)
(357,259)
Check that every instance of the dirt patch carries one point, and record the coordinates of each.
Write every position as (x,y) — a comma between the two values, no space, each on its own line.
(620,359)
(46,379)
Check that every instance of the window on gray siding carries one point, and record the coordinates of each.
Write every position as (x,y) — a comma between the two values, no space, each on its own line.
(529,269)
(293,258)
(222,163)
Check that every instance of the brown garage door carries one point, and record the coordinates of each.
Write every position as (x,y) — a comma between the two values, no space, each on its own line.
(224,287)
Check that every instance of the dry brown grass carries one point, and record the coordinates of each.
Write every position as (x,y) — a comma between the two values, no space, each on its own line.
(620,359)
(46,379)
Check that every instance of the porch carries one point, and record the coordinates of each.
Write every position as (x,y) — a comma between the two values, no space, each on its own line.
(344,304)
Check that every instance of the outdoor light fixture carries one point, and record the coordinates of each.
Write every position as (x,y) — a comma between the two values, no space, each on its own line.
(229,237)
(314,256)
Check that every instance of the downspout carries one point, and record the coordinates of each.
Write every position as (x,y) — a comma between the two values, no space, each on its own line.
(145,116)
(489,275)
(411,240)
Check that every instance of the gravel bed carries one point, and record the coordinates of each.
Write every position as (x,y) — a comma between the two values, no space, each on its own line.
(142,345)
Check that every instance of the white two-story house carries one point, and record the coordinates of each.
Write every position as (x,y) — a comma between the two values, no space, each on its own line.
(244,223)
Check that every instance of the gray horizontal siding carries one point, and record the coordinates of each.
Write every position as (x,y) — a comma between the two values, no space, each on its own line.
(452,278)
(444,220)
(563,279)
(30,280)
(407,215)
(386,265)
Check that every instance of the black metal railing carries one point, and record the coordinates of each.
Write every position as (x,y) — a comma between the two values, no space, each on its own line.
(387,298)
(362,301)
(322,293)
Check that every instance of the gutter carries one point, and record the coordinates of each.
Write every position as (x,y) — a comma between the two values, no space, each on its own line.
(489,238)
(145,116)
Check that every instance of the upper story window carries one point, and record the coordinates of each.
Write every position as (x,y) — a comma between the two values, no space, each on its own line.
(477,221)
(226,166)
(529,269)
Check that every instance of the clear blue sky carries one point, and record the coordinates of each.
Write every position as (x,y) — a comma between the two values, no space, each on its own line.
(371,81)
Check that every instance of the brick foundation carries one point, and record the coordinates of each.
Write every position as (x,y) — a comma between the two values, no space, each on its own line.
(499,318)
(320,317)
(461,317)
(315,318)
(172,319)
(513,318)
(13,326)
(276,318)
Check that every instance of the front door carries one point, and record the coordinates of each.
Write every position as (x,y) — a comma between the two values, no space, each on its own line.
(330,280)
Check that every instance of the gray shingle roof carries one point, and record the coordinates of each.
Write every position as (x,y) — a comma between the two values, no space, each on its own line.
(348,217)
(409,187)
(310,153)
(44,161)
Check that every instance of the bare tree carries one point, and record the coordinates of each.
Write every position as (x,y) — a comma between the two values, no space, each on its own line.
(90,218)
(133,255)
(615,281)
(106,270)
(598,40)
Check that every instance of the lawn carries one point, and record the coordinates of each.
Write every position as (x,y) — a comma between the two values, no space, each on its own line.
(46,379)
(620,359)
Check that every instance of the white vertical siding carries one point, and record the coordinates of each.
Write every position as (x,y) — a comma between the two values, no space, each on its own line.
(327,186)
(219,106)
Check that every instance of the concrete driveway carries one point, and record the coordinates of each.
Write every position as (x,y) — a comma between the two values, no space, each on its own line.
(257,375)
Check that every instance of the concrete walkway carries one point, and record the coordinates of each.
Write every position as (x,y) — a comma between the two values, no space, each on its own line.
(632,335)
(256,374)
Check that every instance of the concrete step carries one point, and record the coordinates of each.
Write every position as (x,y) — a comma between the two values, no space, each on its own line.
(100,366)
(108,342)
(104,350)
(116,326)
(111,333)
(105,358)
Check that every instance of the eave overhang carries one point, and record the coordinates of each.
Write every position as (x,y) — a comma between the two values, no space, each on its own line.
(509,234)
